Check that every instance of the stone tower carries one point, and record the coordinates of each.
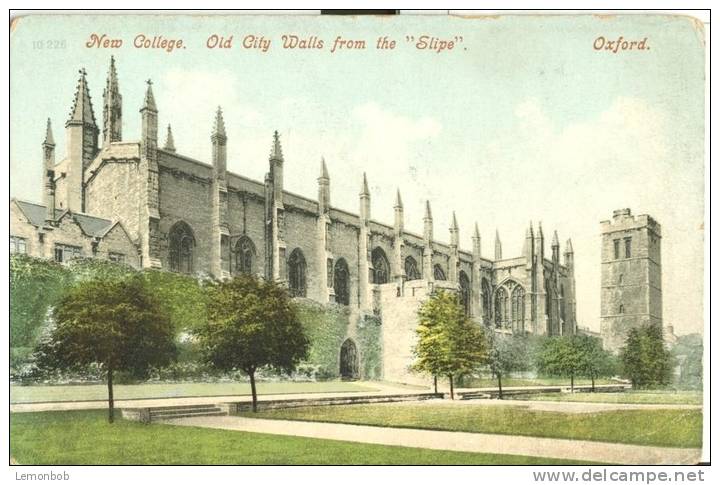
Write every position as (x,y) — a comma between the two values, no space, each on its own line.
(82,145)
(631,280)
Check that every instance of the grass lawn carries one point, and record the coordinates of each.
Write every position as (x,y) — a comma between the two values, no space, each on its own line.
(94,392)
(85,438)
(627,397)
(539,381)
(674,428)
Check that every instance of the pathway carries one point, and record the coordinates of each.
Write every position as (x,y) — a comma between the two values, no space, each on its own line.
(455,441)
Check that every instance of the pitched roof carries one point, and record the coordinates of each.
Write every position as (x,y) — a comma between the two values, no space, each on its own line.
(90,225)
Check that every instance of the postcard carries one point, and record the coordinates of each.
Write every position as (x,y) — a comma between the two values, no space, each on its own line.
(351,240)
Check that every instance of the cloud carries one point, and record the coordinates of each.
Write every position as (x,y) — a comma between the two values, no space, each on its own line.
(188,100)
(573,175)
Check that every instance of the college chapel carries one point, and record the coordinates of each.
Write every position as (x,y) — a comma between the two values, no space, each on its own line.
(143,203)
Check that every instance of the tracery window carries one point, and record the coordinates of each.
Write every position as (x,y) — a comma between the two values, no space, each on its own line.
(501,308)
(381,267)
(296,273)
(181,247)
(411,269)
(244,254)
(486,299)
(465,292)
(341,280)
(518,308)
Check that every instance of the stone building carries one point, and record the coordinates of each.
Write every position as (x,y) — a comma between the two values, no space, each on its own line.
(191,216)
(631,276)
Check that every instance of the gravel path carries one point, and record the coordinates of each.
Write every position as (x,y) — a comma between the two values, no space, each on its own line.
(456,441)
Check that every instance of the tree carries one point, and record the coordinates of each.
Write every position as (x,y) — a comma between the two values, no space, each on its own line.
(36,285)
(645,360)
(596,361)
(449,343)
(688,353)
(116,324)
(508,353)
(251,323)
(562,357)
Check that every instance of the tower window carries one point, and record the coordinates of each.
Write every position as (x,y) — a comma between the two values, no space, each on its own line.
(621,280)
(628,247)
(616,247)
(621,310)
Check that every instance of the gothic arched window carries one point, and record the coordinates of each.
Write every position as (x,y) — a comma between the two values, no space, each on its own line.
(562,302)
(548,298)
(244,255)
(438,273)
(486,299)
(518,308)
(181,244)
(501,308)
(411,269)
(296,273)
(381,267)
(465,292)
(341,280)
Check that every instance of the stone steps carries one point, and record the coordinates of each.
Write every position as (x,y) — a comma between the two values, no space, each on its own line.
(185,412)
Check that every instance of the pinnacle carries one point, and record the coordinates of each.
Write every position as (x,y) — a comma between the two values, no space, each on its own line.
(365,191)
(169,141)
(476,234)
(428,211)
(398,200)
(82,105)
(276,150)
(323,169)
(49,140)
(149,103)
(219,125)
(568,246)
(454,225)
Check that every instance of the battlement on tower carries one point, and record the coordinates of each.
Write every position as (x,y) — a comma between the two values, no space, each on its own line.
(623,220)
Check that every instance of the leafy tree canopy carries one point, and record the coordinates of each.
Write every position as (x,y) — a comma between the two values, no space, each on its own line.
(645,359)
(116,324)
(449,343)
(251,323)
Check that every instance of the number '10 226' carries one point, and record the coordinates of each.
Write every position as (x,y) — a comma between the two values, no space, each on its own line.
(48,44)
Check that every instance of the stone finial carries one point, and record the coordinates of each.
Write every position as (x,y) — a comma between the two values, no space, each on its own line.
(428,211)
(529,233)
(568,247)
(276,150)
(219,124)
(476,232)
(149,102)
(454,224)
(169,141)
(364,190)
(82,111)
(49,139)
(498,246)
(398,200)
(555,242)
(323,169)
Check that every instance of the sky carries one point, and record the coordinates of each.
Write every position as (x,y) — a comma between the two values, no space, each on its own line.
(523,120)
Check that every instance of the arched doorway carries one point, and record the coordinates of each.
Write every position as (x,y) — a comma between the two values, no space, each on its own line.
(348,360)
